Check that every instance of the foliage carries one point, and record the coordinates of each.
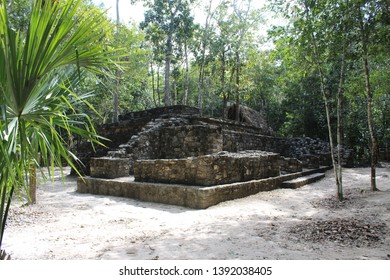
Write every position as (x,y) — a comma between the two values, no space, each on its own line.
(18,13)
(41,68)
(168,25)
(133,88)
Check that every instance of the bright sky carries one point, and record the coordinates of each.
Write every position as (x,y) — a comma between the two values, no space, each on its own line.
(129,12)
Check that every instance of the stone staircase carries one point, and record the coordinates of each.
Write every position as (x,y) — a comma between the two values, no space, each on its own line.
(301,181)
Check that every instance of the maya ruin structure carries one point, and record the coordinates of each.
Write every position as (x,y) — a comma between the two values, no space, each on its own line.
(173,155)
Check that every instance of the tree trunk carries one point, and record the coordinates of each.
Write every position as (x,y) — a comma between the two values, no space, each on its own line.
(339,131)
(336,170)
(340,195)
(187,80)
(4,212)
(231,83)
(168,54)
(32,199)
(153,85)
(327,110)
(365,35)
(200,91)
(224,92)
(174,92)
(374,143)
(115,114)
(158,86)
(237,87)
(202,62)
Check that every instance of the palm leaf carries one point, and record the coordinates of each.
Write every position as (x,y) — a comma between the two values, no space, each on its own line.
(39,74)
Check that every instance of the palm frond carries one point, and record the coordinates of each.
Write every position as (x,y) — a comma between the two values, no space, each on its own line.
(39,74)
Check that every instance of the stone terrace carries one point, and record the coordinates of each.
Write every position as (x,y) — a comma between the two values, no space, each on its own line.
(177,155)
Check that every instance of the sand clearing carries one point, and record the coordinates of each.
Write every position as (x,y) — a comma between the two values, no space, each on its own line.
(306,223)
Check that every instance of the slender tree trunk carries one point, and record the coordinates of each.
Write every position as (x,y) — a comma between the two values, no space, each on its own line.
(168,54)
(201,86)
(158,85)
(32,199)
(339,131)
(224,92)
(238,87)
(331,143)
(153,85)
(202,62)
(115,116)
(231,82)
(174,92)
(200,91)
(187,80)
(374,143)
(327,110)
(4,212)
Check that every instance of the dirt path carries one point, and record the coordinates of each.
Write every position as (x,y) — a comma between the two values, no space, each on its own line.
(307,223)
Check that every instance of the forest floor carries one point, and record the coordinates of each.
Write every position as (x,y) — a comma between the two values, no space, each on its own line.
(284,224)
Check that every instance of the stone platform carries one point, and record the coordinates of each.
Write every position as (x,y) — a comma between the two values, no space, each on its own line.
(197,197)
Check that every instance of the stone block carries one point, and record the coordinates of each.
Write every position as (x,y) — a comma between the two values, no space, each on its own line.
(110,168)
(190,140)
(290,165)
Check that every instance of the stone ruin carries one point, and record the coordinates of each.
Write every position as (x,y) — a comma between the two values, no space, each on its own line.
(208,170)
(176,156)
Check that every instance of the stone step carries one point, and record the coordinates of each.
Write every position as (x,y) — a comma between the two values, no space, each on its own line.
(301,181)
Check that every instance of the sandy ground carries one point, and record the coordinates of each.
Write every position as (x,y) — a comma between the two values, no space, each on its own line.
(306,223)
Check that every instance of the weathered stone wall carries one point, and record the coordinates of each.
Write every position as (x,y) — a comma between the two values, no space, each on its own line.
(290,165)
(314,152)
(215,169)
(173,138)
(117,134)
(190,141)
(311,151)
(234,141)
(184,136)
(110,168)
(121,132)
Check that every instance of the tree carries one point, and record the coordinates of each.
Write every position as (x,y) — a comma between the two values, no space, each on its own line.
(133,86)
(40,72)
(370,17)
(167,18)
(228,37)
(204,41)
(319,30)
(115,102)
